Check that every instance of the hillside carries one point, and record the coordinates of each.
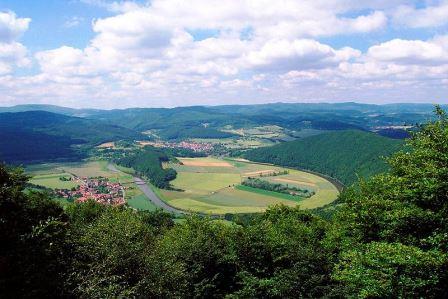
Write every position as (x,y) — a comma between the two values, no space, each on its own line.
(41,135)
(340,154)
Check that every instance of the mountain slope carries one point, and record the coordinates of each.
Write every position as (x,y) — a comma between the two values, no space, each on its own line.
(40,135)
(340,154)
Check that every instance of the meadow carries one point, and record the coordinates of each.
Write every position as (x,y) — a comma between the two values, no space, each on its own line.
(211,185)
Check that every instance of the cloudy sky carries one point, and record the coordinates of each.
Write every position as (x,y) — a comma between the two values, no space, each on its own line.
(113,54)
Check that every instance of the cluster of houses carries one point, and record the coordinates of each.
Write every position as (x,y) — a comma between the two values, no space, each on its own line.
(98,189)
(194,146)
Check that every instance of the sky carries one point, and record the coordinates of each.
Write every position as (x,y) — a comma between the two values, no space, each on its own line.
(166,53)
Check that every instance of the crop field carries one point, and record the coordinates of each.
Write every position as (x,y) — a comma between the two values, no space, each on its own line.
(211,185)
(48,175)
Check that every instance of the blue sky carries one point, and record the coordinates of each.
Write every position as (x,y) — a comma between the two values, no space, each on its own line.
(107,54)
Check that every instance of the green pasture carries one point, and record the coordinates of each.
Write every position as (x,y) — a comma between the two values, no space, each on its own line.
(141,202)
(217,190)
(52,181)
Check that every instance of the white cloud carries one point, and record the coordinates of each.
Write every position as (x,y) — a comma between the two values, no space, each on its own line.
(414,52)
(12,53)
(11,27)
(297,55)
(171,52)
(430,16)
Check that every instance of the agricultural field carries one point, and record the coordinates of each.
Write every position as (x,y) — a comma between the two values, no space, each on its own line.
(211,185)
(47,175)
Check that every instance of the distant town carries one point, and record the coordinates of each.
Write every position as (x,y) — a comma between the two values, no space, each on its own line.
(99,189)
(194,146)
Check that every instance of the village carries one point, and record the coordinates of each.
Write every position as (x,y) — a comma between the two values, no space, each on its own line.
(194,146)
(99,189)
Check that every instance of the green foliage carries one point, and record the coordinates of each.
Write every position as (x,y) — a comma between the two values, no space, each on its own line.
(148,162)
(393,270)
(280,188)
(110,257)
(393,228)
(33,232)
(44,136)
(195,259)
(343,155)
(280,255)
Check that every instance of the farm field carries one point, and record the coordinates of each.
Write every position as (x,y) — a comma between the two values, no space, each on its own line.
(211,185)
(48,175)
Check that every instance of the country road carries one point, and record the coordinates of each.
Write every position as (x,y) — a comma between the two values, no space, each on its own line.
(143,186)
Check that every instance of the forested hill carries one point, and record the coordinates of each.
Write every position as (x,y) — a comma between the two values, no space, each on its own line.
(340,154)
(44,136)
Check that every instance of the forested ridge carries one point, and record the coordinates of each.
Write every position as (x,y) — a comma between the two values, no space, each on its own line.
(343,155)
(387,239)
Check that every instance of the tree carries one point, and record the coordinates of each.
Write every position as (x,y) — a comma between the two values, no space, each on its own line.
(111,256)
(34,251)
(281,255)
(402,215)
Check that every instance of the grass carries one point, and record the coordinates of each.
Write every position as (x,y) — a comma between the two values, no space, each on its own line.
(217,190)
(52,181)
(268,193)
(204,182)
(141,202)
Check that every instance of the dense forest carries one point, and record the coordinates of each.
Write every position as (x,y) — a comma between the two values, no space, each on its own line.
(45,136)
(343,155)
(387,239)
(148,163)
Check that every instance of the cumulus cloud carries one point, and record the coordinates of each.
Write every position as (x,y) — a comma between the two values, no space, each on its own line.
(412,52)
(12,53)
(170,52)
(11,27)
(298,54)
(431,16)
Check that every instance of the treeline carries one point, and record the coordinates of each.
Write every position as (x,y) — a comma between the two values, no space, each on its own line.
(343,155)
(148,163)
(387,239)
(280,188)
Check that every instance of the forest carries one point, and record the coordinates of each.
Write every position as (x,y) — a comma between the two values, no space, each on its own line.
(343,155)
(148,163)
(387,239)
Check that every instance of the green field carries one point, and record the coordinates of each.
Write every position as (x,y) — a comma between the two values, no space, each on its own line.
(48,175)
(205,186)
(141,202)
(52,181)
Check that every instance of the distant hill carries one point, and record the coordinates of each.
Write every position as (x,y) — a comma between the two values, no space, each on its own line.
(340,154)
(50,108)
(41,135)
(293,116)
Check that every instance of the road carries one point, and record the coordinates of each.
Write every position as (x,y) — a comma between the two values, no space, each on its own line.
(152,197)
